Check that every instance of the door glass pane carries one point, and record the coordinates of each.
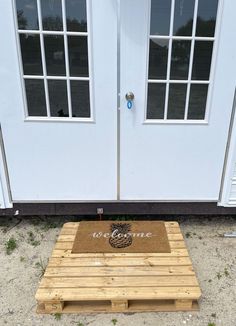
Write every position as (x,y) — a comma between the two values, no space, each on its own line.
(80,99)
(202,60)
(158,57)
(183,18)
(27,14)
(160,17)
(156,101)
(176,104)
(180,59)
(76,15)
(58,98)
(35,95)
(78,55)
(197,102)
(52,15)
(31,54)
(54,53)
(206,21)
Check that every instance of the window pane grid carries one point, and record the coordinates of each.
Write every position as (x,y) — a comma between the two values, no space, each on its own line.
(50,25)
(186,65)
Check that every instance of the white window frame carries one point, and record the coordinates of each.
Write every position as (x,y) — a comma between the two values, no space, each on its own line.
(188,81)
(67,77)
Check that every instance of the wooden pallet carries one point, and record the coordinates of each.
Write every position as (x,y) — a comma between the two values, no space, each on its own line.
(125,282)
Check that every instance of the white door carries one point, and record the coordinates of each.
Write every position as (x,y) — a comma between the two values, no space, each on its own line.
(178,58)
(58,98)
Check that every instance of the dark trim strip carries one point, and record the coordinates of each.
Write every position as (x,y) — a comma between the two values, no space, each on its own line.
(118,208)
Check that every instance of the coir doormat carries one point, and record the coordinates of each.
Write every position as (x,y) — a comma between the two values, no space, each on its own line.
(128,236)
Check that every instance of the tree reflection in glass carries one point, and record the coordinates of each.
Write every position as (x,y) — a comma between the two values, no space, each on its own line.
(76,15)
(27,14)
(51,15)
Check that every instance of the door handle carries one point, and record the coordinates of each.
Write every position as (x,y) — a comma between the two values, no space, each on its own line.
(129,98)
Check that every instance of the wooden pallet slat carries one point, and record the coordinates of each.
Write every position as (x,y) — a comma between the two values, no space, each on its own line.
(120,271)
(118,282)
(118,293)
(117,261)
(66,253)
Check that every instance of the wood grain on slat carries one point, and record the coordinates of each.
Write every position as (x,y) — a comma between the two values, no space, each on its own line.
(118,293)
(67,253)
(124,261)
(115,281)
(118,271)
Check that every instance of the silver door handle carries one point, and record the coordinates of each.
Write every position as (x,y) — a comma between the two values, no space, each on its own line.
(129,98)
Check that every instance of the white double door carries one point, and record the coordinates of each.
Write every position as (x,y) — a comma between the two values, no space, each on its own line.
(69,137)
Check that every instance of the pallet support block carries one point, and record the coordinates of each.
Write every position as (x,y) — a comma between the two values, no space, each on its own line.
(118,282)
(54,306)
(119,305)
(183,304)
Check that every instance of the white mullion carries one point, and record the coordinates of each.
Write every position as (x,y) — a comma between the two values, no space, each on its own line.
(77,33)
(186,38)
(191,60)
(33,77)
(169,59)
(66,59)
(43,58)
(32,31)
(80,78)
(55,77)
(176,81)
(28,31)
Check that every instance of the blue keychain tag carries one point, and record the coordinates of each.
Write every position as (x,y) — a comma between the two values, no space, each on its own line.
(129,104)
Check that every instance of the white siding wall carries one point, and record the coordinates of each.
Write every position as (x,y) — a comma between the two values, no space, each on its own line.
(228,195)
(5,197)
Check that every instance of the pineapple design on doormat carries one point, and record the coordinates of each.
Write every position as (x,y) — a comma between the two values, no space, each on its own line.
(120,236)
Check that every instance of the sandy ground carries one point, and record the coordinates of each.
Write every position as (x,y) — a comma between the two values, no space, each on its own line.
(214,259)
